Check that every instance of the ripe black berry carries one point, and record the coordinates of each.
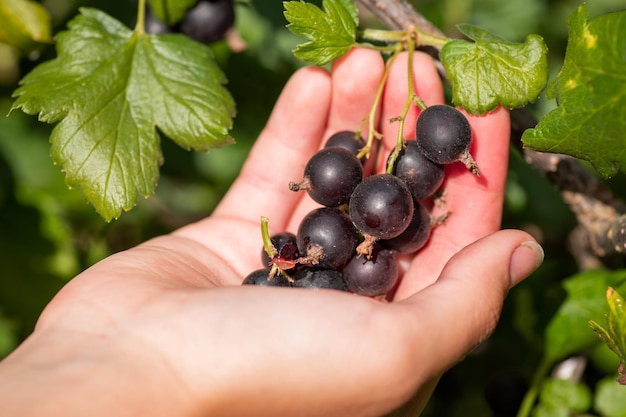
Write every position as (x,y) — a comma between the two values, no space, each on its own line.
(348,140)
(381,206)
(319,278)
(372,276)
(285,244)
(414,236)
(327,238)
(443,134)
(262,277)
(330,176)
(208,21)
(421,175)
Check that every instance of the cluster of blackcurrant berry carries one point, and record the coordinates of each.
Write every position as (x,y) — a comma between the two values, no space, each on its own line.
(351,242)
(206,22)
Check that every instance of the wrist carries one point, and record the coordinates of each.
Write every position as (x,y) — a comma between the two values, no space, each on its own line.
(68,373)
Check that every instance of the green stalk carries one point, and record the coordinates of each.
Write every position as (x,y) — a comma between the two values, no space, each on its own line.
(382,35)
(411,88)
(371,118)
(398,36)
(268,246)
(533,392)
(412,98)
(426,39)
(140,26)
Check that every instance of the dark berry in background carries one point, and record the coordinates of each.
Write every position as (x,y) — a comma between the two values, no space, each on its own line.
(208,21)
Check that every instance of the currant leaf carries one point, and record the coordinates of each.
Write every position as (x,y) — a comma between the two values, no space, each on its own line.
(614,334)
(491,71)
(590,90)
(24,25)
(109,98)
(170,12)
(568,330)
(331,31)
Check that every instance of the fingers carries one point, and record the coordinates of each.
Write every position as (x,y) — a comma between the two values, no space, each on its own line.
(355,78)
(293,132)
(462,308)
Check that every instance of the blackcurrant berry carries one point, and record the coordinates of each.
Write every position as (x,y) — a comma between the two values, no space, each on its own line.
(330,176)
(208,21)
(414,236)
(443,134)
(262,277)
(421,175)
(327,238)
(372,276)
(348,140)
(319,278)
(285,244)
(381,206)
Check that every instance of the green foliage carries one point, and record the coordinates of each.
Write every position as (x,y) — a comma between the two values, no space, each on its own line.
(560,397)
(24,25)
(331,31)
(610,399)
(568,331)
(170,11)
(614,335)
(491,71)
(111,96)
(590,90)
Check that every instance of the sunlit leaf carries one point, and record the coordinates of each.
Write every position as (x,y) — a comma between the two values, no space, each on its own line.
(331,31)
(590,89)
(490,71)
(110,98)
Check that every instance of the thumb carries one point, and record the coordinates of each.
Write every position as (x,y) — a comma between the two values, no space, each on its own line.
(461,309)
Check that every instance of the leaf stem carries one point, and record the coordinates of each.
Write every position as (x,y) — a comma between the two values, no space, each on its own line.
(140,26)
(393,36)
(533,392)
(379,48)
(382,35)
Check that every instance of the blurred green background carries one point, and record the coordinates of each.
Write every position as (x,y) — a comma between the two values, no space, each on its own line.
(48,233)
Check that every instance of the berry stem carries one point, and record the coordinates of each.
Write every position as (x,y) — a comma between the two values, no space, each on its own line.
(371,118)
(411,99)
(268,246)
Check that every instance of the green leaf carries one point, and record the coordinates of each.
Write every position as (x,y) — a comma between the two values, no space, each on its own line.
(568,330)
(491,71)
(590,89)
(110,97)
(614,335)
(479,34)
(610,398)
(170,12)
(25,25)
(562,393)
(331,32)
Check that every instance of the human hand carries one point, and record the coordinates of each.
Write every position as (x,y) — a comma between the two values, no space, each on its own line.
(166,328)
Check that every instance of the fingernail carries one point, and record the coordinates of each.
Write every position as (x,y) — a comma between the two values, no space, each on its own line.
(526,258)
